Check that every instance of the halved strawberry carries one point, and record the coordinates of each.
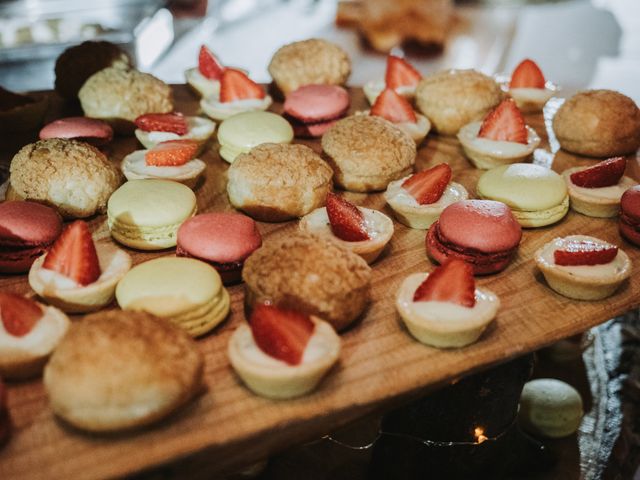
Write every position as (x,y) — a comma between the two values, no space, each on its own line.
(451,282)
(162,122)
(429,185)
(527,75)
(400,73)
(585,252)
(235,85)
(74,255)
(393,107)
(280,332)
(172,153)
(19,314)
(603,174)
(504,123)
(347,221)
(209,65)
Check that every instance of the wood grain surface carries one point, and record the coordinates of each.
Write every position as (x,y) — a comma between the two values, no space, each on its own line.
(380,366)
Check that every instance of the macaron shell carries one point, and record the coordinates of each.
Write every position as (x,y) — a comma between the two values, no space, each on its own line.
(630,203)
(629,229)
(484,225)
(316,103)
(219,237)
(78,127)
(28,224)
(246,130)
(20,260)
(523,186)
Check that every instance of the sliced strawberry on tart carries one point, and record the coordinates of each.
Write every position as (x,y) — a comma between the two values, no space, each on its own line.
(418,200)
(77,275)
(362,230)
(596,191)
(501,138)
(400,76)
(205,78)
(444,308)
(238,94)
(169,160)
(395,108)
(29,332)
(583,267)
(283,353)
(153,128)
(529,88)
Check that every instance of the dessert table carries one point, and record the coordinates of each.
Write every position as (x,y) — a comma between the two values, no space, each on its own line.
(381,366)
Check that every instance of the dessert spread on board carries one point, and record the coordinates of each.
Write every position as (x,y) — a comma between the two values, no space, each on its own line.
(301,291)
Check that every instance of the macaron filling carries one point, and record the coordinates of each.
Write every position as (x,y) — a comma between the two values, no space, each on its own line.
(312,109)
(230,272)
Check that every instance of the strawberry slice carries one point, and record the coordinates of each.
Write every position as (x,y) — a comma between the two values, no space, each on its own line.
(429,185)
(281,333)
(585,252)
(393,107)
(172,153)
(74,255)
(162,122)
(603,174)
(527,75)
(209,65)
(400,73)
(451,282)
(19,314)
(504,123)
(347,221)
(235,85)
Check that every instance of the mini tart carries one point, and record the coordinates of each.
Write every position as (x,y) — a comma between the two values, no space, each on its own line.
(67,295)
(378,226)
(601,202)
(373,88)
(25,356)
(531,100)
(206,87)
(200,130)
(410,213)
(134,167)
(444,324)
(582,282)
(486,154)
(272,378)
(214,108)
(418,130)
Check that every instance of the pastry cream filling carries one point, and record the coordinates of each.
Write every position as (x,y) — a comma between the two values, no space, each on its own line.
(497,148)
(135,232)
(135,164)
(559,209)
(198,129)
(42,338)
(533,95)
(445,316)
(205,86)
(612,193)
(614,267)
(218,110)
(374,222)
(316,349)
(398,195)
(373,88)
(416,130)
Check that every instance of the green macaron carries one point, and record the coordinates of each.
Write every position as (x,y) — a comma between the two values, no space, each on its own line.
(536,195)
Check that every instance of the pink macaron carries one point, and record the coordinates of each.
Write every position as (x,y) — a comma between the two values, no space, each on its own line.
(89,130)
(483,233)
(27,230)
(312,109)
(629,222)
(224,240)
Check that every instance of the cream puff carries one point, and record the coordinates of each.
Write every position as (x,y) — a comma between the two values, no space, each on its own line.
(400,76)
(77,275)
(283,353)
(238,94)
(500,139)
(444,309)
(394,108)
(168,160)
(29,332)
(153,128)
(529,88)
(362,230)
(418,200)
(596,191)
(582,267)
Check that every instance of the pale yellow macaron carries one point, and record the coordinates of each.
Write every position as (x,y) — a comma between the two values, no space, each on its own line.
(146,214)
(537,196)
(186,291)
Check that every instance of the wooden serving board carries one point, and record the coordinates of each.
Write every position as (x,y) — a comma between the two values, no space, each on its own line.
(381,365)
